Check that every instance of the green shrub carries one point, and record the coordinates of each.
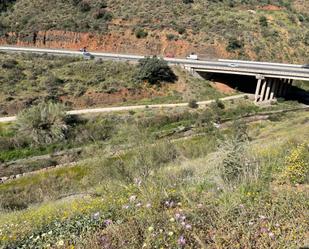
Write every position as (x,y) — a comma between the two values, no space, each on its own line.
(171,37)
(43,124)
(193,104)
(154,70)
(234,44)
(103,14)
(96,129)
(141,33)
(263,21)
(85,6)
(9,64)
(187,1)
(181,30)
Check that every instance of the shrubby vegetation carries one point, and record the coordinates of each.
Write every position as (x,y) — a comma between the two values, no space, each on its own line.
(256,24)
(155,70)
(188,192)
(27,80)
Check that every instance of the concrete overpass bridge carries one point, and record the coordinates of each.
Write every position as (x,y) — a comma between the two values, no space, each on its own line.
(273,80)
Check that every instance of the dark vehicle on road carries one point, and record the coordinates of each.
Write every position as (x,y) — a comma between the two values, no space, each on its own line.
(87,55)
(306,66)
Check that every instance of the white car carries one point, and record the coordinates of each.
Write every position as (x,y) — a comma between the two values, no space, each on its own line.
(192,57)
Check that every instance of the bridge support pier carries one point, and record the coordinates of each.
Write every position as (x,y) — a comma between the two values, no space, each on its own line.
(192,72)
(268,89)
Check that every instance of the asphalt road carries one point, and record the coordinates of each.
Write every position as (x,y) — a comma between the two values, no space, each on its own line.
(251,68)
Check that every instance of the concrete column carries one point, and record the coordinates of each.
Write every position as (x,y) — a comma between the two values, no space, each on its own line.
(273,89)
(289,85)
(257,90)
(262,95)
(281,86)
(268,87)
(285,86)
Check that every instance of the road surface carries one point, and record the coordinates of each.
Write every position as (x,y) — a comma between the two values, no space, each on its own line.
(251,68)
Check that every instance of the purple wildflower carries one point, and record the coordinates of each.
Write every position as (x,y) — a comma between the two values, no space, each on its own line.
(108,222)
(271,235)
(188,227)
(181,241)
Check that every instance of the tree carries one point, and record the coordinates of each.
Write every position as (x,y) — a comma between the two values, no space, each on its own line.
(44,123)
(154,70)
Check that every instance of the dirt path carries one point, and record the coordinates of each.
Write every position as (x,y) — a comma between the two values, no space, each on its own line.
(135,107)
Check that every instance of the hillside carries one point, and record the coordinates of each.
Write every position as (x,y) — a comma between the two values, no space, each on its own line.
(229,28)
(27,80)
(160,179)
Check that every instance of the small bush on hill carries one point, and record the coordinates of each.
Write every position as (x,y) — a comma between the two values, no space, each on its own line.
(85,6)
(187,1)
(234,44)
(263,21)
(141,33)
(154,70)
(9,64)
(193,104)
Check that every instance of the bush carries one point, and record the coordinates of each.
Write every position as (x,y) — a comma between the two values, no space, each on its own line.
(154,70)
(103,14)
(181,30)
(263,21)
(187,1)
(84,6)
(9,64)
(171,37)
(141,33)
(234,44)
(43,124)
(234,164)
(193,104)
(98,129)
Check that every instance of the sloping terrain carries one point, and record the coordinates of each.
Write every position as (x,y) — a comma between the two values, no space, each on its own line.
(150,183)
(28,79)
(229,28)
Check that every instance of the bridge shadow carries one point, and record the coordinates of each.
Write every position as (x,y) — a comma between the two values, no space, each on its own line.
(247,84)
(242,83)
(298,94)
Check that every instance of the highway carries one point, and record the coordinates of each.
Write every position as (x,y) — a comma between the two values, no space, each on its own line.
(250,68)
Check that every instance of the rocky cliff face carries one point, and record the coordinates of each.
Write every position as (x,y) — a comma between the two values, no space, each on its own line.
(122,42)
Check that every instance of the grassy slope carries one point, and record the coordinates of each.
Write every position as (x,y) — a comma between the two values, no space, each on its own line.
(204,22)
(192,180)
(29,78)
